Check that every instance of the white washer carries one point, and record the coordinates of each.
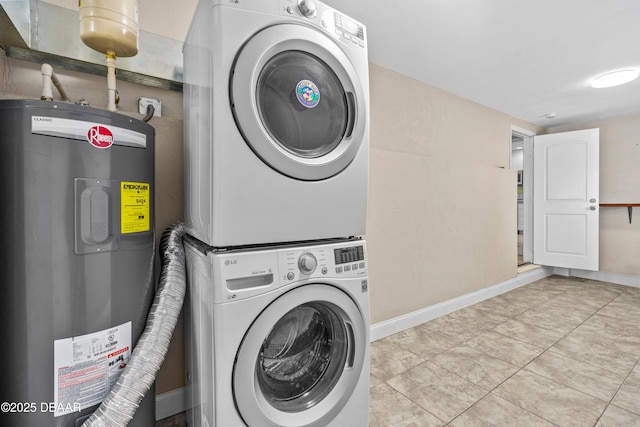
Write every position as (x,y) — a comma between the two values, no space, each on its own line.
(278,336)
(276,116)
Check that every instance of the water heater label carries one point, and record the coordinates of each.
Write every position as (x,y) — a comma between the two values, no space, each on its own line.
(98,135)
(87,366)
(134,209)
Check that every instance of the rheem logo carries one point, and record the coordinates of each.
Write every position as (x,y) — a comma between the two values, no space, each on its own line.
(100,136)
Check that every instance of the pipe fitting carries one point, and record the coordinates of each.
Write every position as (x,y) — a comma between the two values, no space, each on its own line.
(48,77)
(47,94)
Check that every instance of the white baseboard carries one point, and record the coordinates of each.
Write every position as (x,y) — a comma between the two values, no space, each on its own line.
(409,320)
(170,403)
(618,279)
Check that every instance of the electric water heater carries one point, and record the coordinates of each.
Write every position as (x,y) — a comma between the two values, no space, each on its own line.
(77,248)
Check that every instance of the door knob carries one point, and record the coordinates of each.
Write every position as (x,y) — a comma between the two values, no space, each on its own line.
(593,200)
(593,208)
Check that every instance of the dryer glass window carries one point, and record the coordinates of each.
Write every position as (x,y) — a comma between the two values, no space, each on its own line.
(302,104)
(302,358)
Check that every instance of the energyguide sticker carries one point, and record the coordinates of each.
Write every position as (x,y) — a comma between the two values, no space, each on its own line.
(135,211)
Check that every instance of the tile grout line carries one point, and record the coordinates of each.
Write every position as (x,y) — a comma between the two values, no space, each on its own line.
(538,356)
(520,369)
(609,403)
(410,399)
(617,391)
(506,379)
(565,293)
(510,376)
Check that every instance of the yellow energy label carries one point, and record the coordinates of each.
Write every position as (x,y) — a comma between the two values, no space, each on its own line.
(134,207)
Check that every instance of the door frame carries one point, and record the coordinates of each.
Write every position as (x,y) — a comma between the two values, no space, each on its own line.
(527,190)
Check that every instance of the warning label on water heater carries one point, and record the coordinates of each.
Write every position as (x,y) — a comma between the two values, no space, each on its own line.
(134,212)
(87,366)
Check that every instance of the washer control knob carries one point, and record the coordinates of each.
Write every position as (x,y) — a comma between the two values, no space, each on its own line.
(307,7)
(307,263)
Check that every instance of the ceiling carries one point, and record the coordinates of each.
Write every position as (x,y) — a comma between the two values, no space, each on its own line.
(525,58)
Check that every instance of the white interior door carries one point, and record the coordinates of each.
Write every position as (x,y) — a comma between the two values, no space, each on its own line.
(565,199)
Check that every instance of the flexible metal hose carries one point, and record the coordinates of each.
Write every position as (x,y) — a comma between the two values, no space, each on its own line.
(118,409)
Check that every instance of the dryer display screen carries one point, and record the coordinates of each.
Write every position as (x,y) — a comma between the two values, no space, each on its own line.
(351,27)
(348,255)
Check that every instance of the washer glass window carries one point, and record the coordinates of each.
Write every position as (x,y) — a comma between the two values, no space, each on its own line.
(301,359)
(302,103)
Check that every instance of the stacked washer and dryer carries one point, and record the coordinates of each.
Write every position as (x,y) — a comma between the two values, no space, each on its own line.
(276,167)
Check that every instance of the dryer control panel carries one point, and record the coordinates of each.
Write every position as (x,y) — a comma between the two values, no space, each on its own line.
(342,28)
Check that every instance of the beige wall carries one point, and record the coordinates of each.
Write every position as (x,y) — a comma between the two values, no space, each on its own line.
(442,200)
(619,183)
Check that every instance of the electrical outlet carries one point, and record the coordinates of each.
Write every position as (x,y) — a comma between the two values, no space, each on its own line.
(157,105)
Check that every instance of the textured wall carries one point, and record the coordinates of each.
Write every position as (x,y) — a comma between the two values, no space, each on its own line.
(442,200)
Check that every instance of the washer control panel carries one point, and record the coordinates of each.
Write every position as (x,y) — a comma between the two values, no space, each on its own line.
(333,260)
(244,274)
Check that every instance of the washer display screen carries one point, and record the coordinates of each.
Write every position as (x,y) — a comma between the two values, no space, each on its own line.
(349,255)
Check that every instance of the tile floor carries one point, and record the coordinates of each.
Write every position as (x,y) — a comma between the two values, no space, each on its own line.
(557,352)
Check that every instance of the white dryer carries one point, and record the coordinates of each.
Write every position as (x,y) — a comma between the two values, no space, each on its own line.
(278,337)
(276,121)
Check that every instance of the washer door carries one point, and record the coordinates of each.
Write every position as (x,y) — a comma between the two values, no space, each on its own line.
(301,359)
(298,102)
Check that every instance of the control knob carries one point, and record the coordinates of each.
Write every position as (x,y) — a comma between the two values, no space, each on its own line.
(307,8)
(307,263)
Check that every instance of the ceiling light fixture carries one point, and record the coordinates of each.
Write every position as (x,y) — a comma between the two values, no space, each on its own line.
(615,78)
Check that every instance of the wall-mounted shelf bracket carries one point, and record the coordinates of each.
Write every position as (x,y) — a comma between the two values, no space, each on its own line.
(629,207)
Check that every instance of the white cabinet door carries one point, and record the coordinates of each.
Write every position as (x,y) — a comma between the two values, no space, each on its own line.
(565,199)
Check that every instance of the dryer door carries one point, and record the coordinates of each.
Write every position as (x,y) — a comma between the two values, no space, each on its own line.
(299,102)
(301,359)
